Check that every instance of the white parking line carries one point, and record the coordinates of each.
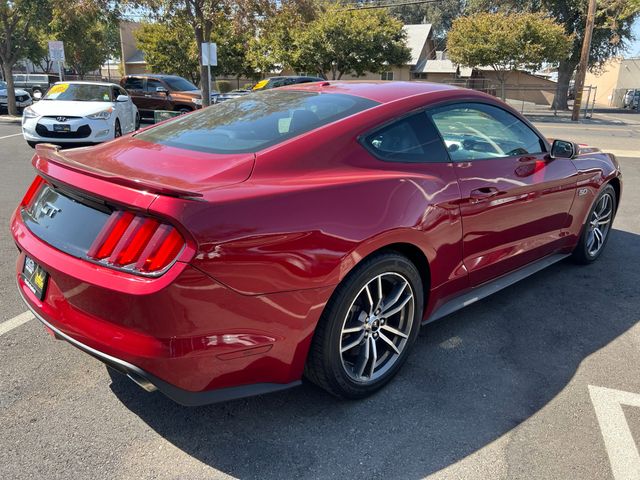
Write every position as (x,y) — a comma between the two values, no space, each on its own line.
(15,322)
(618,440)
(9,136)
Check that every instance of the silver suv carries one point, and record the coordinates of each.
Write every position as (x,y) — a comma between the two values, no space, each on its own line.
(631,99)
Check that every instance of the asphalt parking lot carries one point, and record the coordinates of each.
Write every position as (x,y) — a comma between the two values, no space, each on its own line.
(542,380)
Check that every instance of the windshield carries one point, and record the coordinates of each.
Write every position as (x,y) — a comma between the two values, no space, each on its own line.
(79,92)
(253,122)
(179,84)
(3,85)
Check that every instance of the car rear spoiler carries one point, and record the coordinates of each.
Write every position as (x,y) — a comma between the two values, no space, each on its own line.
(50,153)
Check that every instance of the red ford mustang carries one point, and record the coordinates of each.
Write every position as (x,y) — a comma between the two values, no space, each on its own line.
(299,232)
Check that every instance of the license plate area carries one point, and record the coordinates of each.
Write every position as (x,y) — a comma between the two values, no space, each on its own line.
(35,277)
(60,127)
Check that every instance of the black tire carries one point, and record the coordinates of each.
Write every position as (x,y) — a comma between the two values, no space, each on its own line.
(326,365)
(32,144)
(184,110)
(117,130)
(137,122)
(584,252)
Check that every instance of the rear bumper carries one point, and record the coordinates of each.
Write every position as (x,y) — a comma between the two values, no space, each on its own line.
(150,382)
(183,333)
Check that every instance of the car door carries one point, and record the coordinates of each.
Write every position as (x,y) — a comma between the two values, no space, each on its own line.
(135,87)
(515,198)
(154,99)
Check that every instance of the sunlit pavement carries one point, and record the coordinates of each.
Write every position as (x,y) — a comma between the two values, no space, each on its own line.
(539,381)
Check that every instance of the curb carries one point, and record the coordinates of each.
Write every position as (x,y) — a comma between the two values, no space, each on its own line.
(8,119)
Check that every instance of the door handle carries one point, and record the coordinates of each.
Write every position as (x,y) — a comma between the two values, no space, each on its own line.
(482,193)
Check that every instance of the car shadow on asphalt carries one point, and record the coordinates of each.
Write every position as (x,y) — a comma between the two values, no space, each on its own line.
(471,378)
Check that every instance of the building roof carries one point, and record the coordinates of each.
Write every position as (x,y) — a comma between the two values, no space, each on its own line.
(442,66)
(417,36)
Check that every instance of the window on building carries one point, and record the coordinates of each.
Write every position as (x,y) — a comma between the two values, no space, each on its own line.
(386,76)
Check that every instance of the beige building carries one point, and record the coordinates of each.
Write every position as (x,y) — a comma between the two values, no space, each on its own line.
(617,76)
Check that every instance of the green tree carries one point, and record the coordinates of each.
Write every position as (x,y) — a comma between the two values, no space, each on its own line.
(18,23)
(84,27)
(506,42)
(334,41)
(169,48)
(611,33)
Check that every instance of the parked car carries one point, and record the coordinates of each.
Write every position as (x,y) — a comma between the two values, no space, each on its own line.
(34,83)
(163,92)
(223,97)
(276,82)
(85,112)
(23,99)
(301,231)
(631,99)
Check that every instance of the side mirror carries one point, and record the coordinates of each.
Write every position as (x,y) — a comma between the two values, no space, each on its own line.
(122,98)
(563,149)
(161,90)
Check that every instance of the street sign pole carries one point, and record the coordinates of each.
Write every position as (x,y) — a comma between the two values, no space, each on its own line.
(209,58)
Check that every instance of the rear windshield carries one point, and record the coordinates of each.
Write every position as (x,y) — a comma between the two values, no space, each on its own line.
(255,121)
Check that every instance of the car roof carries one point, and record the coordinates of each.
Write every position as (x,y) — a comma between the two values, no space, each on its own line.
(154,75)
(379,91)
(87,82)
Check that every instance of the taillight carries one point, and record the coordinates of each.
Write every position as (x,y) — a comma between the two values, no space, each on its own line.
(32,191)
(136,243)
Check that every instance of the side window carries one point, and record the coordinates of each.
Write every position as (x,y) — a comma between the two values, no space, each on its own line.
(152,85)
(134,83)
(411,139)
(474,131)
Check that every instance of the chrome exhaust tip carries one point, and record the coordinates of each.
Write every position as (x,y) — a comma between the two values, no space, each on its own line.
(142,382)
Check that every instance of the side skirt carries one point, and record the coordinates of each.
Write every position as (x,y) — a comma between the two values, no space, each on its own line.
(489,288)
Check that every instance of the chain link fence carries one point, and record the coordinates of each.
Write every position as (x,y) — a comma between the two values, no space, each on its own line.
(532,99)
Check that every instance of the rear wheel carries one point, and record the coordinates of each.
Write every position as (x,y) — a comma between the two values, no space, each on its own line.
(184,110)
(595,232)
(367,328)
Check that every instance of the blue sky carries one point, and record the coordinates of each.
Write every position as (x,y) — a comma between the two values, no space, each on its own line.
(634,49)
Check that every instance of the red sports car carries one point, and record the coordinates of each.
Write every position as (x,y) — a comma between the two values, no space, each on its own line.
(302,232)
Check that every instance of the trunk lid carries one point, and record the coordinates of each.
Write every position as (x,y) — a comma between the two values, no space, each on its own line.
(151,167)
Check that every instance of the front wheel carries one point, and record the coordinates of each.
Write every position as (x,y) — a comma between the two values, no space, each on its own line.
(367,328)
(117,129)
(595,231)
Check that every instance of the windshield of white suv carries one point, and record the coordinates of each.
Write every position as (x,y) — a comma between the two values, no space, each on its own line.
(79,92)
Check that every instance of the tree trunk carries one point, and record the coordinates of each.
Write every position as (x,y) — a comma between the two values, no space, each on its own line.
(565,72)
(11,91)
(204,78)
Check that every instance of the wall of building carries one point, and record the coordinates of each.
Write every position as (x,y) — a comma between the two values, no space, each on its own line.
(606,82)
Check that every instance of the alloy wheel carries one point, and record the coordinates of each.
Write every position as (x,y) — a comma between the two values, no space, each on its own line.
(377,327)
(599,224)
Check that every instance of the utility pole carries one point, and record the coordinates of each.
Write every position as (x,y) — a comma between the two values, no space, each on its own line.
(584,60)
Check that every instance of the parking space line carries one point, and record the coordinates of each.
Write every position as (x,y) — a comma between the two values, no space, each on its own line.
(9,136)
(15,322)
(618,440)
